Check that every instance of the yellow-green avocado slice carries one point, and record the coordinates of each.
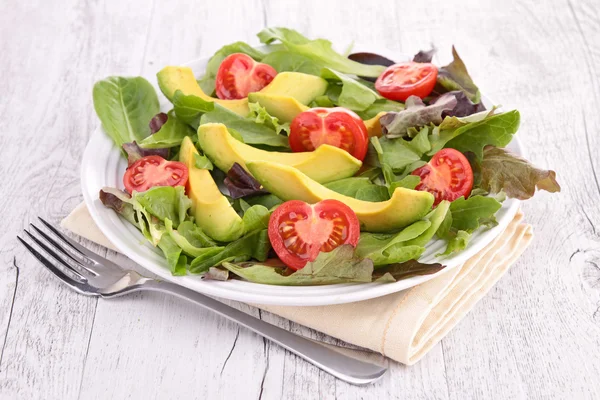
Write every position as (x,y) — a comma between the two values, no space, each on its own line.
(286,108)
(405,206)
(302,87)
(325,164)
(211,209)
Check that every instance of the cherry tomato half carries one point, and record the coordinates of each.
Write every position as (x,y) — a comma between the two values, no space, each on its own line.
(299,231)
(400,81)
(337,127)
(153,171)
(447,176)
(239,75)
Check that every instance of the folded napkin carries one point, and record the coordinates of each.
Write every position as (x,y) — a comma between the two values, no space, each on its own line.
(403,326)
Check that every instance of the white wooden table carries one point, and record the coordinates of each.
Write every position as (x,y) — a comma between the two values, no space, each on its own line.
(536,335)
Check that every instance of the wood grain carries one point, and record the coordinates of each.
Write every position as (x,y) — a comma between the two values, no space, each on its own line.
(537,335)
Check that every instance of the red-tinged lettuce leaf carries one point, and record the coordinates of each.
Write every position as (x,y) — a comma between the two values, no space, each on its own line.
(463,108)
(135,152)
(157,122)
(424,56)
(455,76)
(416,114)
(338,266)
(502,170)
(405,270)
(241,184)
(120,202)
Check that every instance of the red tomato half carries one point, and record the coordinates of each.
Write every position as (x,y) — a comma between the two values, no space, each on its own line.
(299,231)
(400,81)
(337,127)
(239,75)
(153,171)
(447,176)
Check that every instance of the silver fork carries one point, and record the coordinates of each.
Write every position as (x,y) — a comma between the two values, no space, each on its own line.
(93,275)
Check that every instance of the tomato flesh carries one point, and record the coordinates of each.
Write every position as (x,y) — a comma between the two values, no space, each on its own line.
(447,176)
(299,231)
(239,75)
(153,171)
(400,81)
(337,127)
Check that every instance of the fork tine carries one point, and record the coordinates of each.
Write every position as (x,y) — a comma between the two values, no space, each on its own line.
(70,242)
(58,258)
(48,264)
(78,264)
(97,259)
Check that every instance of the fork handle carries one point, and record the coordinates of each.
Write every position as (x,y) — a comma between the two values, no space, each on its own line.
(327,357)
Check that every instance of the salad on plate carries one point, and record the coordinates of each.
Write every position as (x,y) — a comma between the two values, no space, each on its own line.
(293,164)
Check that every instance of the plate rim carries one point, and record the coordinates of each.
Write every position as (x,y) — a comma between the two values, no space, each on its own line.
(274,295)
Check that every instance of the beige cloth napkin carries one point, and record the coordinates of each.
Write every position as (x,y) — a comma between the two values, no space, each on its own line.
(403,326)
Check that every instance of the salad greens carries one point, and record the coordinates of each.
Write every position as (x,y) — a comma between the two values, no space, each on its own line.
(452,116)
(125,107)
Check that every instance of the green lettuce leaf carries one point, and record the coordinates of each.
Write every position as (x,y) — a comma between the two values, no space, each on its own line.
(175,259)
(207,82)
(455,76)
(469,214)
(360,188)
(318,50)
(164,202)
(192,243)
(170,134)
(260,115)
(337,266)
(251,132)
(495,130)
(289,61)
(502,170)
(253,245)
(353,95)
(125,107)
(416,114)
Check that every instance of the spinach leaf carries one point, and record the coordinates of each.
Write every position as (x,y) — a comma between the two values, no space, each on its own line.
(337,266)
(469,214)
(170,134)
(207,82)
(289,61)
(319,50)
(353,95)
(256,218)
(408,269)
(202,162)
(189,108)
(125,107)
(380,105)
(250,131)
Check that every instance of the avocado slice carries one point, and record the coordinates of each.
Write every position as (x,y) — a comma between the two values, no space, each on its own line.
(405,206)
(325,164)
(211,209)
(291,84)
(287,108)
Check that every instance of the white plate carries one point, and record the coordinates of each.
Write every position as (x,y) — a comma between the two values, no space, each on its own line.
(103,165)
